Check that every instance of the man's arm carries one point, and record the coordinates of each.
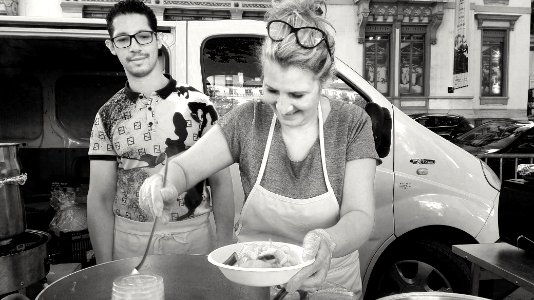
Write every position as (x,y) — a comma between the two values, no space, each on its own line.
(223,206)
(100,217)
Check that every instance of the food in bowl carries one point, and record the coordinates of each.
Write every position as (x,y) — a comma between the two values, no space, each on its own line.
(266,255)
(257,276)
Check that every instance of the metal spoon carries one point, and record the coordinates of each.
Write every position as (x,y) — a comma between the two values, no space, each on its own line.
(135,271)
(138,267)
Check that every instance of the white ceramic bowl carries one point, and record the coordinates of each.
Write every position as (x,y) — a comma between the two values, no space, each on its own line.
(256,276)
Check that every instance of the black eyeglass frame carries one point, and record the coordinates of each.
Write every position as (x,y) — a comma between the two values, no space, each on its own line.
(133,36)
(294,30)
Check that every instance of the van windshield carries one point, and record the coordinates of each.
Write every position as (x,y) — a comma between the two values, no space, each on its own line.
(231,73)
(54,81)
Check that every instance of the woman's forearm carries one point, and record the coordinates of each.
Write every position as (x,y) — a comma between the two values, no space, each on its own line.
(351,232)
(357,209)
(207,156)
(223,206)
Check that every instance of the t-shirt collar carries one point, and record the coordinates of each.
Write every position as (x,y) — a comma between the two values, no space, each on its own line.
(163,92)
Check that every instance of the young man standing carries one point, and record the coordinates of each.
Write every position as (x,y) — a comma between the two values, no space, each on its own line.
(150,119)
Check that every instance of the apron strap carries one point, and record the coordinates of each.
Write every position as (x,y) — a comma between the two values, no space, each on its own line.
(267,149)
(321,143)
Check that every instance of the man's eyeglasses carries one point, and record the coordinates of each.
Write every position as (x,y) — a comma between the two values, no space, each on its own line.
(307,37)
(142,38)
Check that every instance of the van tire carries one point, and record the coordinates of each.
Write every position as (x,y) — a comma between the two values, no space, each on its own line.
(447,272)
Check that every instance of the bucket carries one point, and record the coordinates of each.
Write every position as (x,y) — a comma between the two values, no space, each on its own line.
(12,216)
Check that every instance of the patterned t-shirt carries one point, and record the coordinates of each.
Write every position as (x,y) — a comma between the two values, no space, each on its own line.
(138,131)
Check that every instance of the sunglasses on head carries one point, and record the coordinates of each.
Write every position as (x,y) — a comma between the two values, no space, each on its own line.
(307,37)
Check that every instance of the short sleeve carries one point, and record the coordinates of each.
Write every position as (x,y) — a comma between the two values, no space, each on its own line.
(237,128)
(361,142)
(100,145)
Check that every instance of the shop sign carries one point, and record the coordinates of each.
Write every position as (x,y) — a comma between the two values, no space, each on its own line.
(460,70)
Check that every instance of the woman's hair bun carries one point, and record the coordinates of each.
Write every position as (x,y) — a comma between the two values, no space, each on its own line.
(319,7)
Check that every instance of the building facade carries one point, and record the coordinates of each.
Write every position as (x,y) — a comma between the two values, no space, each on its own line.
(466,57)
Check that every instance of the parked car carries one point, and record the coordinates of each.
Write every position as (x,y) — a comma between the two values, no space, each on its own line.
(446,125)
(502,143)
(429,194)
(481,120)
(499,136)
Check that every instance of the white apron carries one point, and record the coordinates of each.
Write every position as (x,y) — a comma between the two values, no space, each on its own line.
(266,215)
(190,236)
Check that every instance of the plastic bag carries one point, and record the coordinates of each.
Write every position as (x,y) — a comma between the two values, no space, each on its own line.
(70,215)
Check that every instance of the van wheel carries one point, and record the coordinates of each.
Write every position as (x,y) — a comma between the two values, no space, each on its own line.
(419,266)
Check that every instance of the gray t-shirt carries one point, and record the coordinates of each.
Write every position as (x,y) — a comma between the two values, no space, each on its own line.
(347,136)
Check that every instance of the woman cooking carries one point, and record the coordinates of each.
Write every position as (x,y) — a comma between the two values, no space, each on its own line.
(307,162)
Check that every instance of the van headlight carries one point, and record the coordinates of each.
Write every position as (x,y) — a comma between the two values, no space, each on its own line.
(491,177)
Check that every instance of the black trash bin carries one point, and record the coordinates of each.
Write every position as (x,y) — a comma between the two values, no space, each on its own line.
(516,213)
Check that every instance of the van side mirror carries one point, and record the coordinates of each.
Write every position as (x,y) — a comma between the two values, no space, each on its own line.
(382,124)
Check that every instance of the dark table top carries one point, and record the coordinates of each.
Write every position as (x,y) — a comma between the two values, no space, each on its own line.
(502,259)
(519,184)
(184,277)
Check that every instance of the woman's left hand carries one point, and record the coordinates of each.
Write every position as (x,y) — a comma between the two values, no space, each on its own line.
(319,245)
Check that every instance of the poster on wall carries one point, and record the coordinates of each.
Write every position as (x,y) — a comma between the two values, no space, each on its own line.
(461,53)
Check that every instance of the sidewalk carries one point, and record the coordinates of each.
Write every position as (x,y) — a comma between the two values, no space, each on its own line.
(520,294)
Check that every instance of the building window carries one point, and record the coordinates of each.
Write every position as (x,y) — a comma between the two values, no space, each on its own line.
(412,64)
(253,15)
(492,62)
(377,70)
(340,90)
(178,14)
(96,12)
(231,72)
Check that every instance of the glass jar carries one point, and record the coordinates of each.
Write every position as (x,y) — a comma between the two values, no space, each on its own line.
(138,287)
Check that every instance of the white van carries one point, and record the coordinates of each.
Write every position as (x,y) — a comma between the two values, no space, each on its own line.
(429,193)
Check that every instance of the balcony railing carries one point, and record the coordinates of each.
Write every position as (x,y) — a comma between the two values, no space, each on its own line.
(503,163)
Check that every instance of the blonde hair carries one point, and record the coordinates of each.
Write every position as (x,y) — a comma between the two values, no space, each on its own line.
(300,13)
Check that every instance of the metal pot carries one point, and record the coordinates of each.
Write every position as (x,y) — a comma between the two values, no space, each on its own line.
(12,216)
(23,261)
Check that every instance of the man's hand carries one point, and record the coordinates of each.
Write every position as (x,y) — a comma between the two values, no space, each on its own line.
(155,199)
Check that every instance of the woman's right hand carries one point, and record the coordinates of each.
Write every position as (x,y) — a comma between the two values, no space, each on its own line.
(156,199)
